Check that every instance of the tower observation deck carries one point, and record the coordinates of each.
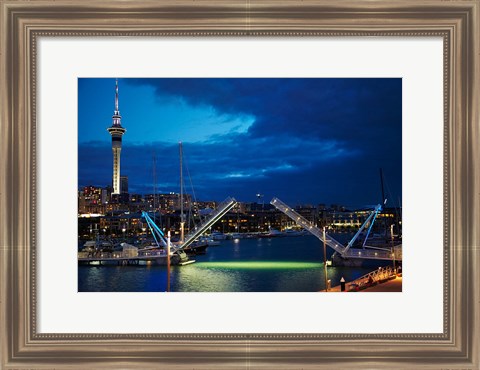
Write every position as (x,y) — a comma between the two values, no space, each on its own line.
(116,131)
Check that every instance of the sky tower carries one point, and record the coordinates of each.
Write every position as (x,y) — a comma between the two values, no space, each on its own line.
(117,131)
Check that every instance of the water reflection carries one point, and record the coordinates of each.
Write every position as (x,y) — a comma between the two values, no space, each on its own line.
(244,265)
(192,278)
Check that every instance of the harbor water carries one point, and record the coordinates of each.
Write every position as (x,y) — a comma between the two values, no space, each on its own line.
(287,264)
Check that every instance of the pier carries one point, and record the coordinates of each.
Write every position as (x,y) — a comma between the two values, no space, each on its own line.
(123,258)
(159,259)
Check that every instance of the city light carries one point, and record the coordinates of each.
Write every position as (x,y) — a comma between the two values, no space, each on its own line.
(256,241)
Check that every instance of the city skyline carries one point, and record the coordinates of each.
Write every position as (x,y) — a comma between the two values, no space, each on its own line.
(306,141)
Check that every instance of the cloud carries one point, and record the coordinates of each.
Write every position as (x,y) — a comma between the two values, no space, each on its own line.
(362,114)
(306,140)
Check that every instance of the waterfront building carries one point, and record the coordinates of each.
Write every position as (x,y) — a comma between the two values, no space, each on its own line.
(167,202)
(241,207)
(200,205)
(116,131)
(116,206)
(92,199)
(81,202)
(308,211)
(136,198)
(387,217)
(122,198)
(234,222)
(88,227)
(94,195)
(348,219)
(123,224)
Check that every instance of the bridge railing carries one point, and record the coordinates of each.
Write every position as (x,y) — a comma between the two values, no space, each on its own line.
(373,277)
(217,214)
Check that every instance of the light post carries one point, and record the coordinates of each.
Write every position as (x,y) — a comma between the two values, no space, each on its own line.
(168,261)
(260,196)
(325,258)
(393,248)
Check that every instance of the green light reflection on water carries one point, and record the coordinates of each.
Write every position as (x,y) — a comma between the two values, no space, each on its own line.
(260,265)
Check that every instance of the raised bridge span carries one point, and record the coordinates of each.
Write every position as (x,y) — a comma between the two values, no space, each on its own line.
(216,215)
(344,251)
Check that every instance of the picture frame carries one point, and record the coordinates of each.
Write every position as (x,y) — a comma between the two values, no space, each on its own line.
(23,22)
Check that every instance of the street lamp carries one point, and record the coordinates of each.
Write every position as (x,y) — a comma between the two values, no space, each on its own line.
(260,196)
(325,258)
(168,261)
(393,248)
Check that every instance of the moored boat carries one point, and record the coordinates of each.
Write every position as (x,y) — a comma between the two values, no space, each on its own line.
(216,235)
(210,242)
(272,233)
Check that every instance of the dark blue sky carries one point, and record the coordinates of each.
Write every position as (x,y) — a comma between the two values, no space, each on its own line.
(303,140)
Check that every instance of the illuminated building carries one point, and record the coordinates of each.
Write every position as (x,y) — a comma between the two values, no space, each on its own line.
(167,203)
(92,199)
(116,131)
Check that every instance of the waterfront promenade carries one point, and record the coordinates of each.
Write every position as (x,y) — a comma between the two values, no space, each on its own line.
(393,285)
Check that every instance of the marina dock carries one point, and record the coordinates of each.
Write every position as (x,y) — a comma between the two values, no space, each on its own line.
(123,261)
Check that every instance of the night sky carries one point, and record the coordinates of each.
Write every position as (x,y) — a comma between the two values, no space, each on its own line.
(303,140)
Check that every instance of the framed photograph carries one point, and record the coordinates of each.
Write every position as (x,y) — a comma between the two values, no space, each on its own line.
(236,184)
(220,243)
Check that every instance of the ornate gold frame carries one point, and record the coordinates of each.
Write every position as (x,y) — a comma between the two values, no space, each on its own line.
(22,22)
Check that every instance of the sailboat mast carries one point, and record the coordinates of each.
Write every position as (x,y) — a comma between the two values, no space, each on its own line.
(381,184)
(182,221)
(154,187)
(384,201)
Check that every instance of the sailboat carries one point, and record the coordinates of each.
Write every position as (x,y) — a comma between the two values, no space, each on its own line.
(197,247)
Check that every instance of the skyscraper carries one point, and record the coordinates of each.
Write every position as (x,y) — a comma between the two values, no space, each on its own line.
(117,131)
(123,184)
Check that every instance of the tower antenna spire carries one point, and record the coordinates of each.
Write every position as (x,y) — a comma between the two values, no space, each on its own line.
(116,131)
(116,97)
